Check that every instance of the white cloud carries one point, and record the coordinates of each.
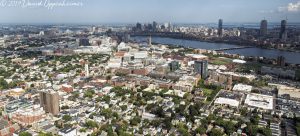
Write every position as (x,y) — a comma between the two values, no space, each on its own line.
(294,7)
(291,7)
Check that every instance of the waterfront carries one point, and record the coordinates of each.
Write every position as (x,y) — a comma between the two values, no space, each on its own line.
(291,57)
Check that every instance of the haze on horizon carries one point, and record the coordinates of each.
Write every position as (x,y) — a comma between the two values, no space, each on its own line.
(175,11)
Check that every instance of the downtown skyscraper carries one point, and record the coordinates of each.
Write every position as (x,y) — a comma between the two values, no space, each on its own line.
(220,28)
(283,31)
(263,31)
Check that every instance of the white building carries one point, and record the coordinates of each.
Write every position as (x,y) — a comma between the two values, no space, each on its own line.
(238,61)
(140,55)
(114,63)
(123,47)
(227,101)
(197,56)
(242,88)
(87,72)
(264,102)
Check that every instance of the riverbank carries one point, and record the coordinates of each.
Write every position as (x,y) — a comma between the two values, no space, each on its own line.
(291,57)
(181,36)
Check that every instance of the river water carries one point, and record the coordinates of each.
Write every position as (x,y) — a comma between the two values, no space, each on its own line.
(290,57)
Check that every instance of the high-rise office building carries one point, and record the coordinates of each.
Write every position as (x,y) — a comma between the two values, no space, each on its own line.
(154,25)
(83,42)
(200,67)
(49,100)
(138,27)
(283,31)
(263,28)
(149,27)
(220,28)
(174,65)
(281,61)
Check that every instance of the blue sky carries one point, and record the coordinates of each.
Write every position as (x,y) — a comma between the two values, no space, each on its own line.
(131,11)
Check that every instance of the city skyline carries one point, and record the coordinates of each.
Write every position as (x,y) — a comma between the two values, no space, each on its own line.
(150,67)
(178,11)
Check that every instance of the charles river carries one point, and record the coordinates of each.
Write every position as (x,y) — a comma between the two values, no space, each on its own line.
(291,57)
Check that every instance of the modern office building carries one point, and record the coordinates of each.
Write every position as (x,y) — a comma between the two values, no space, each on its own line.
(49,100)
(138,27)
(174,65)
(200,67)
(280,61)
(283,31)
(83,42)
(263,28)
(154,25)
(220,28)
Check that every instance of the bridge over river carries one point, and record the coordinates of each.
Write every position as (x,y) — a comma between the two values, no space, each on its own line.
(233,48)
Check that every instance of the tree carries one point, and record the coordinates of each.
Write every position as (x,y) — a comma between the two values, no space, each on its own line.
(44,134)
(200,130)
(265,131)
(244,80)
(180,109)
(254,119)
(107,128)
(89,93)
(168,123)
(182,128)
(3,84)
(216,132)
(243,111)
(66,118)
(91,124)
(135,120)
(65,107)
(193,110)
(25,134)
(251,129)
(107,113)
(123,107)
(159,112)
(155,123)
(106,98)
(229,127)
(116,115)
(82,130)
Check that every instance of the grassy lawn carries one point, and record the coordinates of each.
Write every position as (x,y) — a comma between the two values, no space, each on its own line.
(220,61)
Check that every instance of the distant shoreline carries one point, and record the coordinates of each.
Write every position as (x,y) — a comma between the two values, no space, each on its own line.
(218,42)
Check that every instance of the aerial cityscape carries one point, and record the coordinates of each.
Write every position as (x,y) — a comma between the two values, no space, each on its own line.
(149,67)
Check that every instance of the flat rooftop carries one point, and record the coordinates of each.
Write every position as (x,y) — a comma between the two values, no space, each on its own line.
(242,88)
(259,101)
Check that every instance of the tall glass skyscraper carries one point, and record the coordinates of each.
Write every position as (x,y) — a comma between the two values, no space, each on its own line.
(263,28)
(200,67)
(283,31)
(220,28)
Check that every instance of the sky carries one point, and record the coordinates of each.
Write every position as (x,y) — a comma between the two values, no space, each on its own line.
(132,11)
